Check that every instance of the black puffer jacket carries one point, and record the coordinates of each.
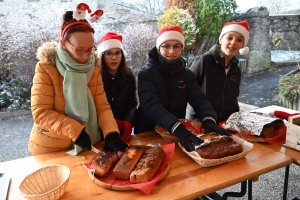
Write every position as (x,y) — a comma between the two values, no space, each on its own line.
(221,89)
(121,96)
(163,98)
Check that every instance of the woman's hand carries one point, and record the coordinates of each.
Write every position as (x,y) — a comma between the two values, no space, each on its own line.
(113,142)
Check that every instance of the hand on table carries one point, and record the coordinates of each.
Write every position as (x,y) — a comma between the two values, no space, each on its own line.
(187,139)
(210,126)
(113,142)
(84,140)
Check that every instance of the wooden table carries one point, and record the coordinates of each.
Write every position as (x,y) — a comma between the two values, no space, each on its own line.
(186,179)
(294,154)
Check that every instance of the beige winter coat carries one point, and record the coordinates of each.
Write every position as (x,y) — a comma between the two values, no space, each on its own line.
(52,129)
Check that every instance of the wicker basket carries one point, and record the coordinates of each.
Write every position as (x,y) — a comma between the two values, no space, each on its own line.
(249,139)
(46,183)
(169,137)
(213,162)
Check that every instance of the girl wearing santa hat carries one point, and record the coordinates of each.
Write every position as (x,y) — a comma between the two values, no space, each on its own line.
(217,71)
(119,82)
(68,101)
(165,86)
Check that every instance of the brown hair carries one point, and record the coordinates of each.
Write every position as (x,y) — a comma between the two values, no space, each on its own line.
(68,19)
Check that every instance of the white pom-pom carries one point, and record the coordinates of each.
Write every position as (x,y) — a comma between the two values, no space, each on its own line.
(271,113)
(244,50)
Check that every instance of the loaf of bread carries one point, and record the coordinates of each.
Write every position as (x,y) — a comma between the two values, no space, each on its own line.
(269,129)
(219,147)
(148,165)
(128,161)
(104,162)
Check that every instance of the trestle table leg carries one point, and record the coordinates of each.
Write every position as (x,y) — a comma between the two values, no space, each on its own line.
(249,189)
(286,181)
(237,194)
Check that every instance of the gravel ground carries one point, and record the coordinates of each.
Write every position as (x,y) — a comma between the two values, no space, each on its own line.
(14,135)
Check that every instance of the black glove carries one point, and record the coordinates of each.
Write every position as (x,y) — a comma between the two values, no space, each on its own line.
(187,139)
(210,126)
(84,140)
(114,142)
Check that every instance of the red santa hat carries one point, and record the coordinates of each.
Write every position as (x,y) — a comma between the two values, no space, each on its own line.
(108,41)
(96,15)
(241,27)
(282,114)
(169,33)
(80,11)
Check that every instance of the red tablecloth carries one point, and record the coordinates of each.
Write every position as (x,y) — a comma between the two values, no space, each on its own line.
(145,187)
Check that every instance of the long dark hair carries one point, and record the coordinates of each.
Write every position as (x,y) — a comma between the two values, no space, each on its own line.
(123,69)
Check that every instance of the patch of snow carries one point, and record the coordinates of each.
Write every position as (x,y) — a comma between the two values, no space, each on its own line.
(282,55)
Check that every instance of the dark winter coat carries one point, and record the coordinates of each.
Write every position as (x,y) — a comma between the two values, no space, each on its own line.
(163,97)
(122,96)
(221,89)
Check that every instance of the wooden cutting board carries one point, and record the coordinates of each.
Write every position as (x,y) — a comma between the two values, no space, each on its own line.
(4,184)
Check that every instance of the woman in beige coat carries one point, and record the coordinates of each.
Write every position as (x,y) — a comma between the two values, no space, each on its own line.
(68,101)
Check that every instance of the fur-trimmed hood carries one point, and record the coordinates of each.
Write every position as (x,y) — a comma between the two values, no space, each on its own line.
(46,53)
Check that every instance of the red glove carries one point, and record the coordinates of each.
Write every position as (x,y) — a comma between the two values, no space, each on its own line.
(120,125)
(126,131)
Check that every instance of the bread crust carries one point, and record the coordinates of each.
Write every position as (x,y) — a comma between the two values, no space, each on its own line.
(104,162)
(219,147)
(208,136)
(148,165)
(128,161)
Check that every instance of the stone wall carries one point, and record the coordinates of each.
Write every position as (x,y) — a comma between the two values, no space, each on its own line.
(287,26)
(263,28)
(259,56)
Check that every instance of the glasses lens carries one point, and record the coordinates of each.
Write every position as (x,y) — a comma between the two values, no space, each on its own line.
(79,51)
(167,48)
(118,54)
(109,54)
(177,47)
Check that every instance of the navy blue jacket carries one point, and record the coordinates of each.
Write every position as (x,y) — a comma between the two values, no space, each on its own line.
(163,98)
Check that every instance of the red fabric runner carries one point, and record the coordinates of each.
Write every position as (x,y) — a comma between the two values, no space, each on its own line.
(187,124)
(145,187)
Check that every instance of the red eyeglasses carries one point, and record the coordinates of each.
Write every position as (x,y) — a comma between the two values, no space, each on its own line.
(80,51)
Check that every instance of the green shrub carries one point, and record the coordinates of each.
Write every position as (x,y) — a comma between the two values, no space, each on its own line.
(289,86)
(181,18)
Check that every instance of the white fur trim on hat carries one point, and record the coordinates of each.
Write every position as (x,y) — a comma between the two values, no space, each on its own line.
(240,27)
(237,28)
(109,44)
(169,35)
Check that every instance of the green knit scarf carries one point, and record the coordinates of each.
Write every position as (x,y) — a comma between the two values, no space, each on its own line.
(79,101)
